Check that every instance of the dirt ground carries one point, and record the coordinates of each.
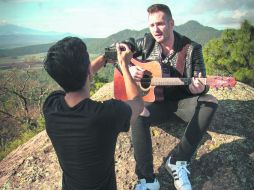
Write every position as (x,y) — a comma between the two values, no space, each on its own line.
(224,160)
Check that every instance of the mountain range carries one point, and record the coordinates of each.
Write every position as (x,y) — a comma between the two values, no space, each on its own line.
(12,36)
(34,41)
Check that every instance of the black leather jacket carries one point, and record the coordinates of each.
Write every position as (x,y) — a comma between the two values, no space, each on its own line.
(148,49)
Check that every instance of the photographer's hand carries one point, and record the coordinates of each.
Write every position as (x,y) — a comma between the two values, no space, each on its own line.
(124,55)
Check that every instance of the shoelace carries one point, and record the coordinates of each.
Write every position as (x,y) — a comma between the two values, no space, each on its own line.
(182,174)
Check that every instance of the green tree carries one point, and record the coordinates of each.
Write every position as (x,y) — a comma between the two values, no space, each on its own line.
(232,53)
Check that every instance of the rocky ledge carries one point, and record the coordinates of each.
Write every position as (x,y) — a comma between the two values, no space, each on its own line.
(224,160)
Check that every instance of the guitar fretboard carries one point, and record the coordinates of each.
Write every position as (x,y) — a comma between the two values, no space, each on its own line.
(173,81)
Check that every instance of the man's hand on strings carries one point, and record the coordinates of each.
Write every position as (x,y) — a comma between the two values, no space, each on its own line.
(137,73)
(196,85)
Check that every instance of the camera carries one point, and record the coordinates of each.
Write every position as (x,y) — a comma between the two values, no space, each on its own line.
(111,53)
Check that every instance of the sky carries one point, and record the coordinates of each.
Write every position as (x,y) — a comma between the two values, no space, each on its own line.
(101,18)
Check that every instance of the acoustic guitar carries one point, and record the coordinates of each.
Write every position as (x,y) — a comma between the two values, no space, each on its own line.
(152,81)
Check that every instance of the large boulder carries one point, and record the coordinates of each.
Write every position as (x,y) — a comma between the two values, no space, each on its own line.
(224,160)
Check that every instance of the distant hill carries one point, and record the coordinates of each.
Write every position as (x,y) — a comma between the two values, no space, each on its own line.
(97,45)
(33,49)
(11,29)
(12,36)
(197,32)
(192,29)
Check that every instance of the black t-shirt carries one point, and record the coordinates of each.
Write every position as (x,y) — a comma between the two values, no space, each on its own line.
(84,138)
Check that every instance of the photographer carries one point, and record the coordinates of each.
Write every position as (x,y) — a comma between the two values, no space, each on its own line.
(83,131)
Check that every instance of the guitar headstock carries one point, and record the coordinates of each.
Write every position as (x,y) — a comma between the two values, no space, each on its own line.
(220,82)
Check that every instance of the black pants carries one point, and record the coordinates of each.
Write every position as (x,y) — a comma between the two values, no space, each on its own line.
(198,116)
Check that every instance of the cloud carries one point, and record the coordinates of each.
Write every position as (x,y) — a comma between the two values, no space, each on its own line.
(75,10)
(225,13)
(232,19)
(2,21)
(222,5)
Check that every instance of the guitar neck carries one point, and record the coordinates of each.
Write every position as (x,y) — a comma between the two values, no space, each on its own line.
(174,81)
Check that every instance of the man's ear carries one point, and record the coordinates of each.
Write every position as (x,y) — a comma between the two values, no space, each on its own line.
(172,22)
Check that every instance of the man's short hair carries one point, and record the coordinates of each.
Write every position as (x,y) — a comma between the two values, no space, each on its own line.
(160,7)
(67,62)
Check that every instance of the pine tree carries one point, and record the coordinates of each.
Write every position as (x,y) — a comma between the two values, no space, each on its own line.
(232,53)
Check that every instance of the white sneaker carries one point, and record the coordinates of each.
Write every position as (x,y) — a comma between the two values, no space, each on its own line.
(142,185)
(179,172)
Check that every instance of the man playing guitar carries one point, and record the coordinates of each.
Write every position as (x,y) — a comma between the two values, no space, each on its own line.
(179,57)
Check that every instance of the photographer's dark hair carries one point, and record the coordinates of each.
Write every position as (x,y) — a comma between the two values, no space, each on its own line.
(67,62)
(160,7)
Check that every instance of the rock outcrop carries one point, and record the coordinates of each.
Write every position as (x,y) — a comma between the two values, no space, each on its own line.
(224,160)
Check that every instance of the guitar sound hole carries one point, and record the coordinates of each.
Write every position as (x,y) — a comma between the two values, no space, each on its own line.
(145,82)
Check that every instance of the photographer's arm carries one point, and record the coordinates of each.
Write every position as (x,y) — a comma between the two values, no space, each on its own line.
(97,63)
(134,99)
